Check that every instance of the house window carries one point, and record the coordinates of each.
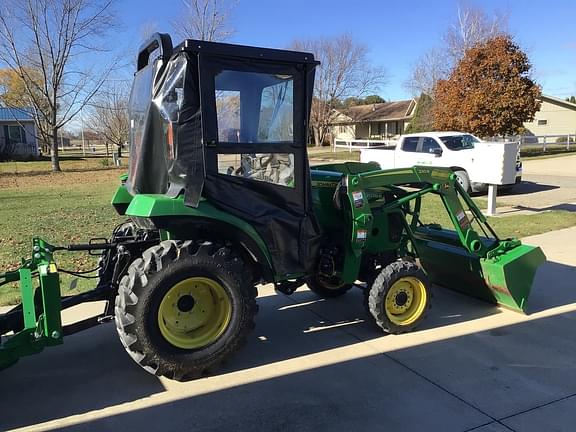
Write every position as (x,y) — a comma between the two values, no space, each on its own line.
(542,122)
(16,134)
(341,129)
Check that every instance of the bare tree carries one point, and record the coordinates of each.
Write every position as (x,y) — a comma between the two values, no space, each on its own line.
(52,37)
(109,114)
(344,71)
(471,27)
(204,20)
(428,69)
(147,30)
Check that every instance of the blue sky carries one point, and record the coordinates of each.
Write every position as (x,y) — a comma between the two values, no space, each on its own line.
(396,32)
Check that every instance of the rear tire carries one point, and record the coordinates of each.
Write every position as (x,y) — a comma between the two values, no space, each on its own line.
(399,298)
(327,287)
(184,342)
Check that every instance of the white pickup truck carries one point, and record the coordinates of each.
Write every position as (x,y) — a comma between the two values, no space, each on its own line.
(469,157)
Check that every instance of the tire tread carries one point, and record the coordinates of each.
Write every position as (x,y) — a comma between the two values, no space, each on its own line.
(133,287)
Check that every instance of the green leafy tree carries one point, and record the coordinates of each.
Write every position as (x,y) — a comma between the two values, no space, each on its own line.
(423,119)
(350,102)
(490,91)
(372,99)
(355,101)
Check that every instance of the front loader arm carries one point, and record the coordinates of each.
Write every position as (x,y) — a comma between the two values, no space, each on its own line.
(504,269)
(441,181)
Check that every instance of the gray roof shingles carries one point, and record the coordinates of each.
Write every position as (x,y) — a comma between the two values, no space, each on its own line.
(378,112)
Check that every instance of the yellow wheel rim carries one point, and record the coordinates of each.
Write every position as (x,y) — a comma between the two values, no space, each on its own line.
(194,313)
(405,301)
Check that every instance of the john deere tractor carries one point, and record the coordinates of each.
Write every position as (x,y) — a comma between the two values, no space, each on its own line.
(220,198)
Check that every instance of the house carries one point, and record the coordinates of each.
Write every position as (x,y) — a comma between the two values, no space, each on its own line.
(555,117)
(17,132)
(385,120)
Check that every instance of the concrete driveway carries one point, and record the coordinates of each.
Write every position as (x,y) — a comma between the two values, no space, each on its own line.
(315,365)
(548,184)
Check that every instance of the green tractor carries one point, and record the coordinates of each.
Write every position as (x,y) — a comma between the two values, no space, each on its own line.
(220,198)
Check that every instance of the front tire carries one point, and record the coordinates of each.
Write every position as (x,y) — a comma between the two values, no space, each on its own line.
(464,180)
(400,297)
(185,307)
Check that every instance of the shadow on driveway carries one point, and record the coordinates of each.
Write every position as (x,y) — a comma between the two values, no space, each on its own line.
(452,384)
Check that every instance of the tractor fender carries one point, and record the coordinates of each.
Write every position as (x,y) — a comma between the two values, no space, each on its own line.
(205,221)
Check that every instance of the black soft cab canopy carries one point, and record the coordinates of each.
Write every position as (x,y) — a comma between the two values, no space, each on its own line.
(229,124)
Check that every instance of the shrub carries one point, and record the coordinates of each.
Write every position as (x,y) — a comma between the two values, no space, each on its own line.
(564,140)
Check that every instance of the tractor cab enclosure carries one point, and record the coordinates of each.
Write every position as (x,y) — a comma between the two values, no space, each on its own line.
(228,124)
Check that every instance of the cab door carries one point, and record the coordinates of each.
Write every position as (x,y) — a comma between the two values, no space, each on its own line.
(254,118)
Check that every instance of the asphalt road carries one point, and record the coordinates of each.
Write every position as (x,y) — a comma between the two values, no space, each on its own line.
(548,184)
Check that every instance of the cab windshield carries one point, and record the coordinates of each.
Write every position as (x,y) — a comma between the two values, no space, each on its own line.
(460,142)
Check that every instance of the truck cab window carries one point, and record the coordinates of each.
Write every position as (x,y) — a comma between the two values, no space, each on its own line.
(410,144)
(429,145)
(459,142)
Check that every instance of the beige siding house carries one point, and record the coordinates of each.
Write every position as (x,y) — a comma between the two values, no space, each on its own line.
(386,120)
(555,117)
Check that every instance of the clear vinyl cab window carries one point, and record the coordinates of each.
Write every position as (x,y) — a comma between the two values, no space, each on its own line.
(275,168)
(254,107)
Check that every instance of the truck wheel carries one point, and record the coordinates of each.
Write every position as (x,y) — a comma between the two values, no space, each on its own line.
(327,287)
(184,307)
(399,297)
(464,180)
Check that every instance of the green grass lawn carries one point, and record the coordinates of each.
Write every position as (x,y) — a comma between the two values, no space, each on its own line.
(68,162)
(69,207)
(505,226)
(74,206)
(327,153)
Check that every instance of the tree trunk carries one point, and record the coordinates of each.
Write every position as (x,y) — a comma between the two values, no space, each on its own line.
(317,142)
(119,151)
(107,151)
(54,155)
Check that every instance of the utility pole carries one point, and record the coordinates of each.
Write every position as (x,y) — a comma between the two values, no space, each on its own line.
(82,125)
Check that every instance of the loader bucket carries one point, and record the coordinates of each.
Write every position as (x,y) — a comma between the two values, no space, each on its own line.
(504,277)
(510,276)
